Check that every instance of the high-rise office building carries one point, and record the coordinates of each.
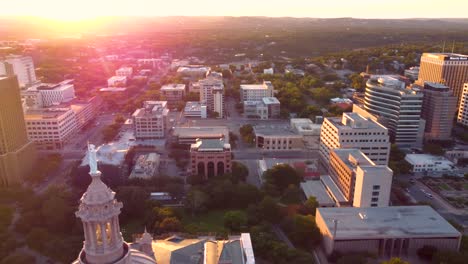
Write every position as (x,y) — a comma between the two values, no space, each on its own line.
(212,94)
(21,66)
(398,108)
(354,131)
(17,153)
(439,106)
(361,181)
(462,117)
(446,68)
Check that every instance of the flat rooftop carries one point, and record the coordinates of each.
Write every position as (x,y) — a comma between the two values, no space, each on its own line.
(446,56)
(332,189)
(211,145)
(349,155)
(51,86)
(200,132)
(173,87)
(392,221)
(270,100)
(354,120)
(275,130)
(427,159)
(192,106)
(317,189)
(113,89)
(45,113)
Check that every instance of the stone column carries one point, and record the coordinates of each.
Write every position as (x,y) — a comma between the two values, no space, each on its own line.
(104,235)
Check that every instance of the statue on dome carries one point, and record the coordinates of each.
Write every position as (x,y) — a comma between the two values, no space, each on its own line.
(92,159)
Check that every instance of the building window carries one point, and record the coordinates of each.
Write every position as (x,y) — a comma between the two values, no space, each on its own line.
(376,187)
(375,199)
(375,193)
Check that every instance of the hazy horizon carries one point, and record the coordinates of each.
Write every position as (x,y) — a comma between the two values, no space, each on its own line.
(362,9)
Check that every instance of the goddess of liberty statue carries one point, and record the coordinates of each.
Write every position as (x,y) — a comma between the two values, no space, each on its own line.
(92,159)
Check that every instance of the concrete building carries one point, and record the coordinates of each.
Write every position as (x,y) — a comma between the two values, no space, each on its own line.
(195,109)
(412,73)
(317,189)
(269,71)
(193,71)
(124,71)
(362,182)
(31,99)
(277,138)
(150,121)
(54,94)
(210,157)
(146,166)
(189,135)
(21,66)
(150,62)
(385,231)
(85,110)
(173,93)
(438,110)
(354,131)
(310,132)
(462,117)
(398,109)
(267,108)
(429,163)
(212,95)
(51,128)
(117,81)
(446,68)
(256,92)
(17,152)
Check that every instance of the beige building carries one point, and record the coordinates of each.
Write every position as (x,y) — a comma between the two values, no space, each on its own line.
(85,110)
(360,180)
(385,231)
(255,92)
(189,135)
(354,131)
(309,131)
(51,128)
(17,153)
(212,94)
(150,121)
(439,106)
(210,157)
(462,117)
(277,138)
(173,93)
(446,68)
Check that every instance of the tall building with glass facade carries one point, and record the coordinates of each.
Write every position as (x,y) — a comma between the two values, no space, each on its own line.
(398,108)
(17,153)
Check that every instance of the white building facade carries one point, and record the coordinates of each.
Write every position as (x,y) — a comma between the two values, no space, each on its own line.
(462,117)
(21,66)
(150,121)
(256,92)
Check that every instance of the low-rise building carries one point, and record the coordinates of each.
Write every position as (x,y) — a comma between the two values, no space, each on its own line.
(210,157)
(276,138)
(362,182)
(317,189)
(195,109)
(412,73)
(269,71)
(193,71)
(462,117)
(429,163)
(117,81)
(456,154)
(146,166)
(267,108)
(85,110)
(151,121)
(310,132)
(385,231)
(234,250)
(113,90)
(150,62)
(51,128)
(189,135)
(256,92)
(173,93)
(124,71)
(53,94)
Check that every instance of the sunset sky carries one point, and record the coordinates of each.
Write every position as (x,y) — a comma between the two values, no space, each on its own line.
(82,9)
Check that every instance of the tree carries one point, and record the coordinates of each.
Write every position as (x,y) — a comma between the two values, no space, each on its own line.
(434,149)
(196,201)
(170,224)
(323,94)
(119,119)
(239,172)
(281,176)
(426,252)
(357,82)
(292,195)
(395,261)
(303,231)
(268,210)
(38,239)
(134,199)
(235,220)
(247,133)
(311,205)
(17,258)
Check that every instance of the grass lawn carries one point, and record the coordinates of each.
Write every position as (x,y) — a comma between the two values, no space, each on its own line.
(209,222)
(444,186)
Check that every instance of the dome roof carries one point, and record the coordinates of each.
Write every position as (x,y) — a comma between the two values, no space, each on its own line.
(97,192)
